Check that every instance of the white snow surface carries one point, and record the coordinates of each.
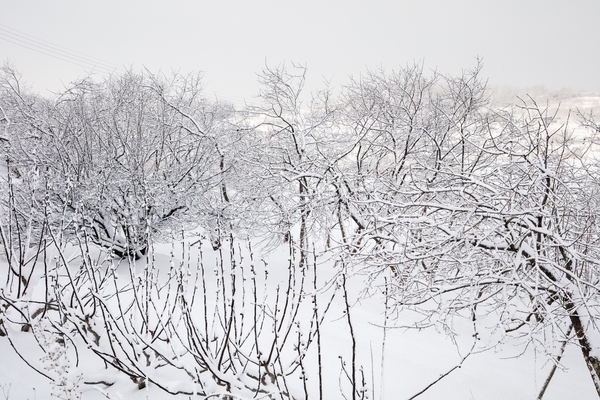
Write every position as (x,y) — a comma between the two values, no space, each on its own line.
(410,361)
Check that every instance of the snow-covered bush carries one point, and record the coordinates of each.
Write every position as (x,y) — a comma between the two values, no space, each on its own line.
(125,159)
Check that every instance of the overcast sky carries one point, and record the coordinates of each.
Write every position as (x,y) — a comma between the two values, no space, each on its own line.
(555,43)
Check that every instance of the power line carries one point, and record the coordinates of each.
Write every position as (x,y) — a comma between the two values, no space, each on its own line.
(62,53)
(53,50)
(59,57)
(56,48)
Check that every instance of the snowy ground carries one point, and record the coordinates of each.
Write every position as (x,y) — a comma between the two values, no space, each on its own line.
(411,360)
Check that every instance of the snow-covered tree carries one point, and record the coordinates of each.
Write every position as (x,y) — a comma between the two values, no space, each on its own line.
(489,212)
(125,157)
(296,137)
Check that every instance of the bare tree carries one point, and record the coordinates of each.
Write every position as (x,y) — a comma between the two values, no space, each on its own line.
(124,158)
(296,133)
(494,214)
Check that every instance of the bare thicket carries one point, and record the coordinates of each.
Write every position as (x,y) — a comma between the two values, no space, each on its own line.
(412,181)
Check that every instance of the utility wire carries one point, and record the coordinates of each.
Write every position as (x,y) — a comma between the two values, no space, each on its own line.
(53,50)
(77,58)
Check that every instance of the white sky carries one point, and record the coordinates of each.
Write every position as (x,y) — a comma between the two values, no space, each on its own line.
(555,43)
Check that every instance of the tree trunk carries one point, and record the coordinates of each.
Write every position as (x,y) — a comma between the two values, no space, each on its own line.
(591,361)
